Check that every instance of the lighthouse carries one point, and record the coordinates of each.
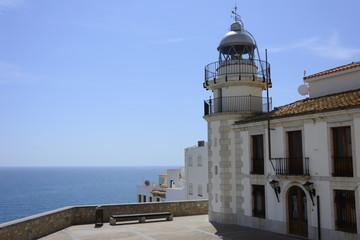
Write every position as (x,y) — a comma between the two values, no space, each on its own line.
(236,82)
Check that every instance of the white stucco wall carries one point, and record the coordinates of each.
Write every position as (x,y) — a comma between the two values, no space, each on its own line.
(195,174)
(176,176)
(241,91)
(145,191)
(175,194)
(334,83)
(317,142)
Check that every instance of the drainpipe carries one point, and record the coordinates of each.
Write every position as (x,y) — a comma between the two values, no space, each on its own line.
(268,105)
(318,216)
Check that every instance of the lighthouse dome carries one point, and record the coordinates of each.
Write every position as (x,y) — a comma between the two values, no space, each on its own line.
(236,36)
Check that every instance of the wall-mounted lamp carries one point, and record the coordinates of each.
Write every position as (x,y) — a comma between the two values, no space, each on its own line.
(275,185)
(309,186)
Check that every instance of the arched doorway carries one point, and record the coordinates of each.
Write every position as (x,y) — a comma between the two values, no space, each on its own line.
(297,211)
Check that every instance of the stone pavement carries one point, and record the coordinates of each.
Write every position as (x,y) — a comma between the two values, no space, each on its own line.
(190,227)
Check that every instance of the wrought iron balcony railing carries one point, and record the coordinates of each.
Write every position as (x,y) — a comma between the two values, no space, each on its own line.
(239,67)
(343,167)
(236,104)
(291,166)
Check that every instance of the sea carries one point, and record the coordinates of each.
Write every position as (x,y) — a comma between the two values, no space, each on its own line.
(25,191)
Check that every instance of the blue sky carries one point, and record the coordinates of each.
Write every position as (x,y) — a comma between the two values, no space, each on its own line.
(105,83)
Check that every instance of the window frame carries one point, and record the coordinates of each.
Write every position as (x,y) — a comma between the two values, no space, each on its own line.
(190,162)
(350,224)
(199,161)
(190,191)
(295,152)
(255,211)
(200,190)
(345,168)
(257,150)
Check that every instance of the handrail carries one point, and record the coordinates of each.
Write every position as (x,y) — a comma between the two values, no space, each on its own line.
(291,166)
(236,104)
(240,67)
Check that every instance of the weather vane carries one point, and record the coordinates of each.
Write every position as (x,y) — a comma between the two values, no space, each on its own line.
(236,16)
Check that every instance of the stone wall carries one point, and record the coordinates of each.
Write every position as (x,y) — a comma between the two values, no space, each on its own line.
(40,225)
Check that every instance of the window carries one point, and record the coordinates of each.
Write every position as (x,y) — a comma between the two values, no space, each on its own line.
(258,194)
(190,161)
(150,199)
(139,198)
(342,153)
(158,199)
(295,157)
(257,154)
(190,189)
(345,211)
(144,198)
(216,170)
(200,191)
(199,159)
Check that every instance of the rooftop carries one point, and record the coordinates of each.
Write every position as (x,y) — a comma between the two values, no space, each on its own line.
(190,227)
(338,101)
(333,70)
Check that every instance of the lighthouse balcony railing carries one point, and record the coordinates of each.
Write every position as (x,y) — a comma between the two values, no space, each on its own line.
(236,104)
(238,67)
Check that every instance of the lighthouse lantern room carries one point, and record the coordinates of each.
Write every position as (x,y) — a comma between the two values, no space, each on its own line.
(237,78)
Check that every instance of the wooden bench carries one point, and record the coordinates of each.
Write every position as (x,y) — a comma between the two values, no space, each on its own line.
(141,217)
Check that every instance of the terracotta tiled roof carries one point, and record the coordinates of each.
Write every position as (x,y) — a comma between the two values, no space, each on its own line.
(158,193)
(338,101)
(164,174)
(337,69)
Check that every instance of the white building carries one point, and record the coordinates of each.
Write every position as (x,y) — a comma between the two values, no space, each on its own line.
(196,171)
(186,183)
(169,188)
(314,143)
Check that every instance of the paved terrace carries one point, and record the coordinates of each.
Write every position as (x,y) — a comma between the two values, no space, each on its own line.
(195,227)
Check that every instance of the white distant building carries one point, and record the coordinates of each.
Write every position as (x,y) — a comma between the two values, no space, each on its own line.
(186,183)
(170,187)
(196,169)
(308,184)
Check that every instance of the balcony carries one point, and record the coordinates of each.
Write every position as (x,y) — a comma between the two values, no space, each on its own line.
(236,104)
(240,67)
(291,166)
(343,167)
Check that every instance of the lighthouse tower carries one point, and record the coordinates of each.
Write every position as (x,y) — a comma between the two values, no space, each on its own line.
(237,81)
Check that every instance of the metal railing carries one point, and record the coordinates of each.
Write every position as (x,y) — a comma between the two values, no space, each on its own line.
(236,104)
(345,211)
(291,166)
(343,167)
(240,67)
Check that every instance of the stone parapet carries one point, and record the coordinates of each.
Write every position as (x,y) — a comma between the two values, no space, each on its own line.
(43,224)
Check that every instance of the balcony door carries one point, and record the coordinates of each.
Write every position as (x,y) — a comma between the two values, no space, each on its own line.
(297,212)
(342,152)
(295,157)
(257,154)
